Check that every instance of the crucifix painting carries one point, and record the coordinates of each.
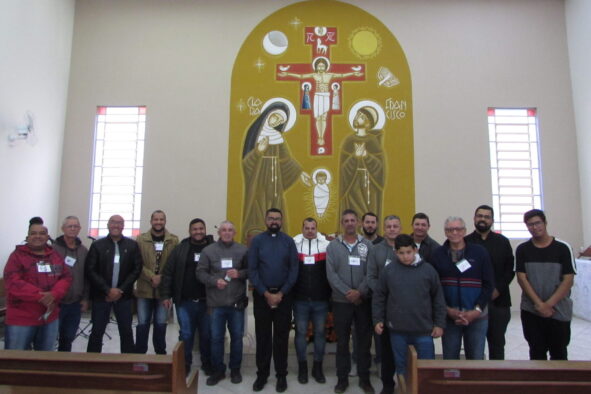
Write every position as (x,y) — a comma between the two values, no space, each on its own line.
(320,120)
(320,76)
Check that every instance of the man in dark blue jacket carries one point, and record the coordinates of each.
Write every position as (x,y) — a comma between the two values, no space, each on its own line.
(272,270)
(467,279)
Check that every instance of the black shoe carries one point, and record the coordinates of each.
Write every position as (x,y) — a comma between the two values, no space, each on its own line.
(303,372)
(259,384)
(235,376)
(207,370)
(341,386)
(387,390)
(281,385)
(366,386)
(317,373)
(215,378)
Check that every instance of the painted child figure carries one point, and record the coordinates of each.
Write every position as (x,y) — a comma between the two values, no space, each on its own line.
(409,299)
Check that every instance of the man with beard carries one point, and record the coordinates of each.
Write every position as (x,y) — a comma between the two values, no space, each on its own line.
(501,257)
(273,271)
(420,234)
(346,269)
(155,246)
(369,224)
(379,257)
(179,284)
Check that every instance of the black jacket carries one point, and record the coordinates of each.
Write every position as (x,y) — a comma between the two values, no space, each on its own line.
(171,284)
(99,266)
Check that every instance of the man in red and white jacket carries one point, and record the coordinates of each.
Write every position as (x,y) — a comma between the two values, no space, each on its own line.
(312,294)
(36,279)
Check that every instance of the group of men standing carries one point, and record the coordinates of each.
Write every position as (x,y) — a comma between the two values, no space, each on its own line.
(409,286)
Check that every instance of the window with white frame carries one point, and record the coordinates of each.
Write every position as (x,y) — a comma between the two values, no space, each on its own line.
(117,168)
(515,167)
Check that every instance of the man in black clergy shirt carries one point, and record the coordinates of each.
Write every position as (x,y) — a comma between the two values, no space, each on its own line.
(501,257)
(272,270)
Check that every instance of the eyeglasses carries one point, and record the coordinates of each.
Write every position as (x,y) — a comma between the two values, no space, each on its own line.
(454,229)
(537,223)
(73,226)
(273,219)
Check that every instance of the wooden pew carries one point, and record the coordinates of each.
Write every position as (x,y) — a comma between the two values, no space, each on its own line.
(43,372)
(490,376)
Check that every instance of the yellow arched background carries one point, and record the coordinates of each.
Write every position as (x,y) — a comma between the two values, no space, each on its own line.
(362,39)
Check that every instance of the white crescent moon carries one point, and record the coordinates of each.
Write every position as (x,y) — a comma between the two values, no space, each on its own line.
(275,42)
(292,111)
(368,103)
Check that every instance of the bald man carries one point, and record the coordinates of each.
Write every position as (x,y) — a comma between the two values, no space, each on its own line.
(113,265)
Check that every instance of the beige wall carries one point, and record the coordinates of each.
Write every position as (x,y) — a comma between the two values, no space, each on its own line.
(35,44)
(176,58)
(579,47)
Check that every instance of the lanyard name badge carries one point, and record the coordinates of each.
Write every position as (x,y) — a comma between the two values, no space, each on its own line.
(196,257)
(354,260)
(70,261)
(226,263)
(309,260)
(463,265)
(116,259)
(158,246)
(43,267)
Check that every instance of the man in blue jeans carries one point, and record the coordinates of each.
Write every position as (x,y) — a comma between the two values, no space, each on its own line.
(179,284)
(76,300)
(113,264)
(312,293)
(156,246)
(467,279)
(223,269)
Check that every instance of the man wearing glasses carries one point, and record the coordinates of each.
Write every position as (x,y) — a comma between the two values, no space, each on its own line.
(468,281)
(273,271)
(75,302)
(501,257)
(545,269)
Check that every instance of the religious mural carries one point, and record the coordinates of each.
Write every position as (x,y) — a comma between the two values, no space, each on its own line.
(320,120)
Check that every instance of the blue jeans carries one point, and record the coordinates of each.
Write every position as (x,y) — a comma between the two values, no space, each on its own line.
(193,316)
(422,343)
(303,312)
(146,308)
(31,337)
(101,316)
(69,321)
(474,339)
(234,318)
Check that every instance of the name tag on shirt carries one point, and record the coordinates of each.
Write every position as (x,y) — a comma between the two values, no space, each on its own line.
(354,260)
(159,246)
(117,258)
(70,261)
(226,263)
(309,260)
(463,265)
(43,267)
(196,257)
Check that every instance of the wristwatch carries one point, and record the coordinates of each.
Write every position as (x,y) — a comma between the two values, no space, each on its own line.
(477,308)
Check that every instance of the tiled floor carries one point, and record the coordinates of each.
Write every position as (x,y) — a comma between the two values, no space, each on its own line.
(516,349)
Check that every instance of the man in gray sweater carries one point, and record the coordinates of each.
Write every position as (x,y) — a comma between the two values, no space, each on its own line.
(346,270)
(223,269)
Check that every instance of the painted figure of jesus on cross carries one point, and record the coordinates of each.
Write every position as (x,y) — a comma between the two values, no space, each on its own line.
(319,82)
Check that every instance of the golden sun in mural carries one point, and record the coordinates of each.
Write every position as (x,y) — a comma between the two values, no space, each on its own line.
(365,42)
